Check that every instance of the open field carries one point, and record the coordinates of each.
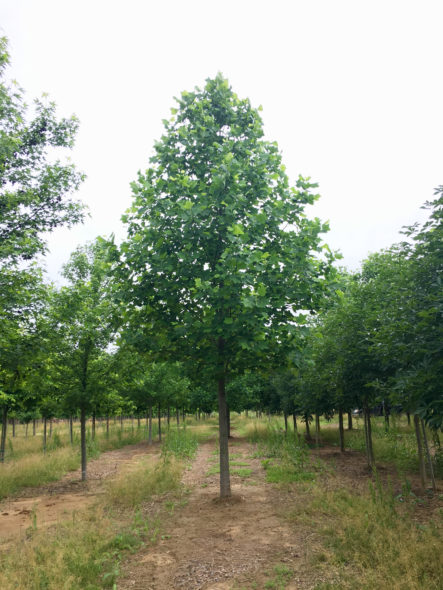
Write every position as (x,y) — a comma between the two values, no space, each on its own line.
(300,517)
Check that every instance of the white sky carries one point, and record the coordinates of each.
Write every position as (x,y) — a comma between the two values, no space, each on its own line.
(352,90)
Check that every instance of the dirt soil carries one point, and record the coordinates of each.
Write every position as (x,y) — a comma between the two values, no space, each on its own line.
(205,544)
(213,545)
(52,502)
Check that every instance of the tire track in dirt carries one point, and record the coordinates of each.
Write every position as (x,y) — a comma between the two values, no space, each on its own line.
(212,545)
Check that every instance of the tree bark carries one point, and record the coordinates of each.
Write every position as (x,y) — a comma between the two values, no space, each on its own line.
(13,428)
(349,420)
(177,415)
(421,459)
(308,430)
(294,419)
(225,483)
(228,419)
(150,426)
(159,424)
(4,428)
(83,442)
(428,455)
(368,435)
(286,422)
(317,430)
(341,431)
(45,427)
(71,433)
(33,427)
(107,426)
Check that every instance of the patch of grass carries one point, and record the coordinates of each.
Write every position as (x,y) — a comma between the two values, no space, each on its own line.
(280,473)
(182,443)
(144,480)
(35,470)
(281,575)
(370,540)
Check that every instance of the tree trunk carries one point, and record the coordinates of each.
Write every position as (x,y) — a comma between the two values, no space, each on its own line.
(183,416)
(107,426)
(150,426)
(317,430)
(121,421)
(50,427)
(169,416)
(349,420)
(3,439)
(228,419)
(225,484)
(159,425)
(408,415)
(71,433)
(368,436)
(26,429)
(83,442)
(294,419)
(308,430)
(138,422)
(286,422)
(177,415)
(421,459)
(341,431)
(45,428)
(13,428)
(428,454)
(33,427)
(93,426)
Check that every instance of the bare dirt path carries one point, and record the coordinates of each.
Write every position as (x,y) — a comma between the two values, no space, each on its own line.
(56,501)
(214,545)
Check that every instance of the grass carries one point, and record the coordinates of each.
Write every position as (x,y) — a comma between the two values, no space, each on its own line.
(85,552)
(370,540)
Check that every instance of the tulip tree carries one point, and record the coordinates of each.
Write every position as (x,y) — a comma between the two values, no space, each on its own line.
(220,258)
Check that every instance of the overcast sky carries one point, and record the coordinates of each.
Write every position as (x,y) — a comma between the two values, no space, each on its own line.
(351,90)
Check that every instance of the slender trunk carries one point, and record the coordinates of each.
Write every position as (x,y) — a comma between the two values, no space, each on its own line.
(349,420)
(169,416)
(225,484)
(13,428)
(50,427)
(3,439)
(317,430)
(159,425)
(33,427)
(121,421)
(428,455)
(183,416)
(341,431)
(368,439)
(71,432)
(286,422)
(138,422)
(45,426)
(83,442)
(177,415)
(371,450)
(421,459)
(132,424)
(294,419)
(308,430)
(107,426)
(93,426)
(150,426)
(26,429)
(408,415)
(228,419)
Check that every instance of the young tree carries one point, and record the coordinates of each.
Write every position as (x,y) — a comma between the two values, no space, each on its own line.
(219,257)
(84,322)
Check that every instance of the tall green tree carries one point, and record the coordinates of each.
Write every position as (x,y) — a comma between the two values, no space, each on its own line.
(35,189)
(220,257)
